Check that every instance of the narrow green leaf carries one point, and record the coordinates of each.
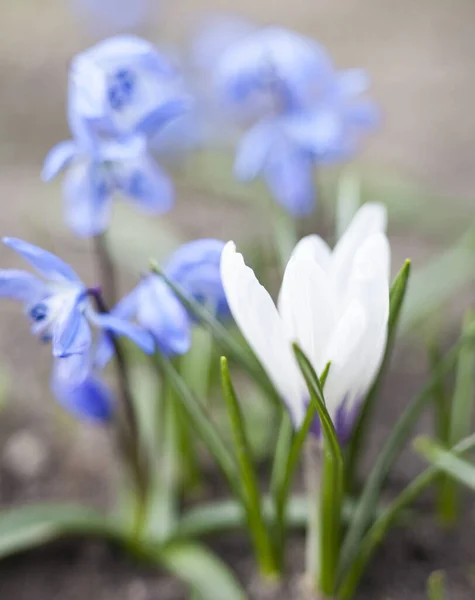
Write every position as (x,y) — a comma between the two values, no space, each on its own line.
(332,480)
(250,486)
(458,468)
(460,419)
(206,575)
(383,522)
(31,526)
(386,457)
(436,586)
(202,423)
(222,336)
(363,422)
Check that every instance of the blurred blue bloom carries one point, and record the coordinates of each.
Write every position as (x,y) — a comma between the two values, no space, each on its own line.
(124,86)
(59,307)
(86,397)
(96,172)
(112,16)
(195,267)
(272,70)
(302,112)
(155,308)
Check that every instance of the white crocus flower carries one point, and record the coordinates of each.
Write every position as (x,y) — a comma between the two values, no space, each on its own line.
(335,305)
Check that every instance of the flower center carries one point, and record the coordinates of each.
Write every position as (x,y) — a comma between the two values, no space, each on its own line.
(39,312)
(122,88)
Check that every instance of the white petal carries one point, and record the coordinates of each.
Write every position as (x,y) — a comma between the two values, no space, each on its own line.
(257,318)
(343,352)
(314,248)
(306,307)
(369,219)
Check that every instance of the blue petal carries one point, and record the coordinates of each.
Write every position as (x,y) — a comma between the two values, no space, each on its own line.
(125,309)
(58,157)
(89,399)
(20,285)
(290,180)
(147,185)
(87,200)
(117,326)
(163,114)
(320,132)
(160,311)
(253,150)
(195,266)
(46,263)
(71,331)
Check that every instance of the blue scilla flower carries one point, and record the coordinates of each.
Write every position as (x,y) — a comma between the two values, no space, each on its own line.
(272,70)
(82,392)
(285,149)
(59,307)
(96,171)
(195,267)
(123,85)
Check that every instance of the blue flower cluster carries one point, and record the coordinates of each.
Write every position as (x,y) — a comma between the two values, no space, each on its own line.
(121,92)
(304,112)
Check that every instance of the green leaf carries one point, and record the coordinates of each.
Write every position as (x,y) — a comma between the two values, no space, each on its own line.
(250,486)
(363,423)
(332,481)
(386,519)
(459,420)
(31,526)
(207,576)
(397,438)
(228,344)
(436,586)
(458,468)
(202,424)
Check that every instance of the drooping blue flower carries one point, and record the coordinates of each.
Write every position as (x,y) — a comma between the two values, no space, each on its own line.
(96,172)
(84,395)
(154,306)
(59,307)
(302,112)
(123,85)
(194,266)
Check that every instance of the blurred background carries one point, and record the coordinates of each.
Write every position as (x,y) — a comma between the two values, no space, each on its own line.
(421,57)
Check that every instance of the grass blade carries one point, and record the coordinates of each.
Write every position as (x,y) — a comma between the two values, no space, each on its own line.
(401,431)
(388,517)
(458,468)
(436,586)
(355,447)
(201,422)
(250,487)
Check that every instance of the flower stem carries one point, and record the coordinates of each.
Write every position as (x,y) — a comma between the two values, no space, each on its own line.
(313,477)
(106,270)
(129,433)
